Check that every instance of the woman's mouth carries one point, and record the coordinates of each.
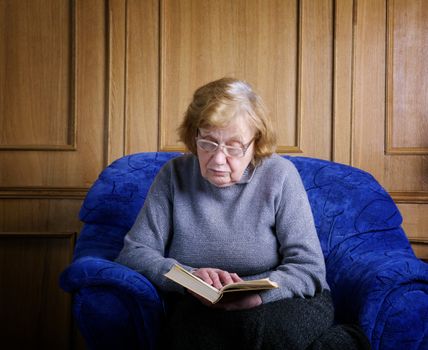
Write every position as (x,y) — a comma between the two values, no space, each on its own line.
(218,172)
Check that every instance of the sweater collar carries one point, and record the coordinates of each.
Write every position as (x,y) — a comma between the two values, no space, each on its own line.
(248,174)
(246,177)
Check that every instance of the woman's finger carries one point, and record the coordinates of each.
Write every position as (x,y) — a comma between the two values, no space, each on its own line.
(204,275)
(235,277)
(214,275)
(225,278)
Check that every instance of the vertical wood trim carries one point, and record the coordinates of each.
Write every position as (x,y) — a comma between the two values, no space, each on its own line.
(299,77)
(389,98)
(353,68)
(162,51)
(369,90)
(342,80)
(296,148)
(116,80)
(317,94)
(141,76)
(127,56)
(72,132)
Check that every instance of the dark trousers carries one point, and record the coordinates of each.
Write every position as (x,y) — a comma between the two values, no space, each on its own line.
(293,324)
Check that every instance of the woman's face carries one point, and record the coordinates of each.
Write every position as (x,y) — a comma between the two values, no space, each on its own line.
(218,168)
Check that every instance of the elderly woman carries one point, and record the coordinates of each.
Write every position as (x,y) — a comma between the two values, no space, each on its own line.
(232,209)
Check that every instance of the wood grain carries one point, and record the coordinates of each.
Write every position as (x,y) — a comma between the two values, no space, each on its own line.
(36,84)
(116,79)
(35,312)
(316,92)
(55,167)
(384,122)
(407,77)
(415,224)
(342,80)
(142,76)
(257,41)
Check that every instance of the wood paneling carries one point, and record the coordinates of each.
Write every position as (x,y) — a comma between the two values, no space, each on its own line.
(133,80)
(116,78)
(370,100)
(342,80)
(40,215)
(390,129)
(316,91)
(415,223)
(48,89)
(142,76)
(42,192)
(369,88)
(36,244)
(407,77)
(35,313)
(284,48)
(53,144)
(37,80)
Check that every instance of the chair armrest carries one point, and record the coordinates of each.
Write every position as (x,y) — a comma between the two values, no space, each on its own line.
(379,283)
(108,295)
(94,271)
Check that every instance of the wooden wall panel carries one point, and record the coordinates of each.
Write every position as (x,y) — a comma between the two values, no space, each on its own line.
(54,131)
(37,239)
(142,76)
(196,48)
(316,88)
(415,224)
(390,83)
(342,80)
(407,77)
(58,96)
(35,312)
(369,88)
(284,48)
(36,84)
(40,215)
(116,78)
(371,102)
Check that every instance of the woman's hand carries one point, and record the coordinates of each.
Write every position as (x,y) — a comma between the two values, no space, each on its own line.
(218,279)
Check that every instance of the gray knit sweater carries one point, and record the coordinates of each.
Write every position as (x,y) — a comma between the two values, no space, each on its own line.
(259,227)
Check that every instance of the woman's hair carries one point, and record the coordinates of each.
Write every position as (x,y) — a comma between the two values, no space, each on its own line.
(218,103)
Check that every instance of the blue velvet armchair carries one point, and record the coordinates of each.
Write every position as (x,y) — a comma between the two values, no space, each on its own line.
(375,278)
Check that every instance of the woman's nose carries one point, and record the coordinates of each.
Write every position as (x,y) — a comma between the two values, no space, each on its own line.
(219,156)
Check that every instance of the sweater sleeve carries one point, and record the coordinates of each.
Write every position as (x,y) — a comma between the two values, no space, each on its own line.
(146,243)
(301,272)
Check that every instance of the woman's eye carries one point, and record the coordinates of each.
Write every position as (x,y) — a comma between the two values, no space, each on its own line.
(234,144)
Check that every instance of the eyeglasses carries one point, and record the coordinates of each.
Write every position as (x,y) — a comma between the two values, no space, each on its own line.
(229,151)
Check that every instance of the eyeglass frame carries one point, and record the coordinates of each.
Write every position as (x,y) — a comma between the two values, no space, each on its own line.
(224,147)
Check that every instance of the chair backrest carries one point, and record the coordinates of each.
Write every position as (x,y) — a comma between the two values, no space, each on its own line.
(345,202)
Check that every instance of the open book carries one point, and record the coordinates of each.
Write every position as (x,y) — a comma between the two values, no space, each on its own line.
(200,287)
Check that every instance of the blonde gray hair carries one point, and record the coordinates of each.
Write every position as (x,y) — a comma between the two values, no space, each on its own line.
(218,103)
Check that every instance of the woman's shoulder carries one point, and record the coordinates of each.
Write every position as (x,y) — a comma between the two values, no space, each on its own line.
(175,171)
(278,163)
(182,166)
(183,161)
(278,171)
